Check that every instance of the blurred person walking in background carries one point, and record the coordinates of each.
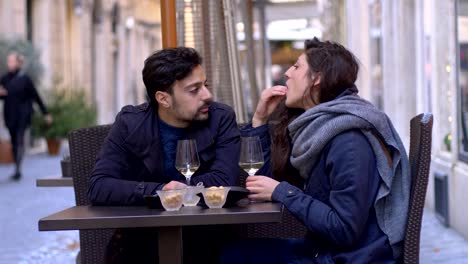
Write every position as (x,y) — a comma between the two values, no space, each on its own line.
(18,92)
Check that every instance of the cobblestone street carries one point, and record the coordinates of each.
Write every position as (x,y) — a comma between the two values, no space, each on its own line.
(22,204)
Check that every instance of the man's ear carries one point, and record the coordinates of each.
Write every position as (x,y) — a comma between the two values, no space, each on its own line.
(163,99)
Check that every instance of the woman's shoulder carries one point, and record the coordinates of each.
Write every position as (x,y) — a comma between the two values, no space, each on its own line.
(350,141)
(349,135)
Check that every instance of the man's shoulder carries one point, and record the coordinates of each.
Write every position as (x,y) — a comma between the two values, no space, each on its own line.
(220,108)
(133,114)
(132,118)
(135,109)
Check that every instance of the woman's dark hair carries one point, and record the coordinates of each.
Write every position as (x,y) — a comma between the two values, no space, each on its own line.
(332,64)
(163,68)
(336,68)
(282,170)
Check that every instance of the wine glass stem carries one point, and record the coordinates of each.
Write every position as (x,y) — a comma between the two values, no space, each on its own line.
(188,180)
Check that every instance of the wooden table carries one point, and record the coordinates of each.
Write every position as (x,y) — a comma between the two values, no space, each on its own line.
(169,223)
(57,181)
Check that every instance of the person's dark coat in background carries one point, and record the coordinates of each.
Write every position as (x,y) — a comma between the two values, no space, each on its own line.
(18,110)
(18,104)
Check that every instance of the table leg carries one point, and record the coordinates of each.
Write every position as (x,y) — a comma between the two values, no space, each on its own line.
(170,245)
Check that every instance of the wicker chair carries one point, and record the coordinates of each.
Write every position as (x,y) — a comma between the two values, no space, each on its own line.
(420,161)
(85,144)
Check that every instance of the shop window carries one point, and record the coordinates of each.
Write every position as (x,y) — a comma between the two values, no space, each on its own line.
(462,78)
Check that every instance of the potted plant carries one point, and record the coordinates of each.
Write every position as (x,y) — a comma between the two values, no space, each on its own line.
(69,110)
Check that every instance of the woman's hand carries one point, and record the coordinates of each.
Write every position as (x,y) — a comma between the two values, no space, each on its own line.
(261,187)
(268,102)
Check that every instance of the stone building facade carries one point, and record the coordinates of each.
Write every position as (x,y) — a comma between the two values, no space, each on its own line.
(97,45)
(413,56)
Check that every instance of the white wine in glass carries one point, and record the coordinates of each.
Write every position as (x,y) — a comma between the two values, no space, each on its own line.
(187,161)
(251,156)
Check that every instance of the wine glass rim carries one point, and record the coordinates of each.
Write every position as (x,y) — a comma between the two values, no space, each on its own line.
(187,139)
(177,190)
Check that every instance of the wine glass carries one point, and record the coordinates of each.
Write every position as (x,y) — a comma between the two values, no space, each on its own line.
(251,155)
(187,161)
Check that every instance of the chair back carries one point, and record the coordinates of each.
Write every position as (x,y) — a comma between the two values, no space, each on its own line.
(420,161)
(85,144)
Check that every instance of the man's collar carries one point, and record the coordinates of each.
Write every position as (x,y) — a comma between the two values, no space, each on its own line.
(200,131)
(144,140)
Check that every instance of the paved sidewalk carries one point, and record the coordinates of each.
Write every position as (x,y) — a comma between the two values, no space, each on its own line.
(22,204)
(440,244)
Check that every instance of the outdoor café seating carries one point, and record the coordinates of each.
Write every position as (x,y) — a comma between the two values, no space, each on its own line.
(85,144)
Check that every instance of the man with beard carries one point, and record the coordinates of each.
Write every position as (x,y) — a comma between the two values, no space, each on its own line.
(138,156)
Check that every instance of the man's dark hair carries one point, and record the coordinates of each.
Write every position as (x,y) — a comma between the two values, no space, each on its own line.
(163,68)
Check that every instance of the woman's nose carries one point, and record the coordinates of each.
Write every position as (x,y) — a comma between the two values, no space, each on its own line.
(286,74)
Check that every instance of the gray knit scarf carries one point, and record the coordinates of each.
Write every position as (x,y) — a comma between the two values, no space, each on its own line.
(312,130)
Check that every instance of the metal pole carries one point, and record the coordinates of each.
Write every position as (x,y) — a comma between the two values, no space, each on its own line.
(247,10)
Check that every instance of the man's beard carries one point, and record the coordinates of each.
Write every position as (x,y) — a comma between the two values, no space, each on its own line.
(198,116)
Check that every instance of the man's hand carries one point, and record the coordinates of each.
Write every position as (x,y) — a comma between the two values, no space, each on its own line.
(268,102)
(172,185)
(48,119)
(3,91)
(261,187)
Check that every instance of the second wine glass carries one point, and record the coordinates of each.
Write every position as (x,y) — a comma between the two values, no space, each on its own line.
(187,161)
(251,155)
